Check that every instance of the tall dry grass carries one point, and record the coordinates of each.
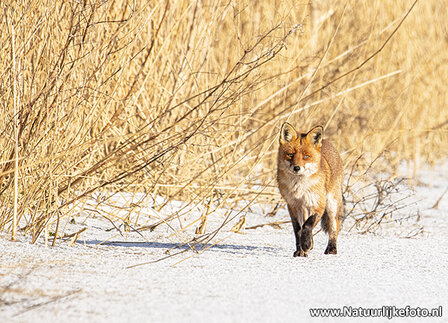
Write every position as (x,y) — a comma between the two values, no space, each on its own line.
(184,99)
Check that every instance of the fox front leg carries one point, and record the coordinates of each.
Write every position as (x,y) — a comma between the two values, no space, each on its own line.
(306,236)
(297,229)
(295,214)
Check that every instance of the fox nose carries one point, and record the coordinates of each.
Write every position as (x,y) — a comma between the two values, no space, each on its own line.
(296,168)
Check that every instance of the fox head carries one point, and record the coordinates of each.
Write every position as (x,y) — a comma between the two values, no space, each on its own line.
(299,154)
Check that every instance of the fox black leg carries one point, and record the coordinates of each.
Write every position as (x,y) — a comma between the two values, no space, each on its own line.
(306,237)
(297,229)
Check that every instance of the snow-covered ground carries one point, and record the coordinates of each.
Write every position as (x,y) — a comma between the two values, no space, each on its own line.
(250,277)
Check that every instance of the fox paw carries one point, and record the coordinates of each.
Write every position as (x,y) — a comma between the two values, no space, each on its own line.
(300,253)
(331,250)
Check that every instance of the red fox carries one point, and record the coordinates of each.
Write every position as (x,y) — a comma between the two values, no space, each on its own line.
(309,176)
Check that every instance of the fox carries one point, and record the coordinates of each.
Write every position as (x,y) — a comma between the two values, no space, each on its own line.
(309,178)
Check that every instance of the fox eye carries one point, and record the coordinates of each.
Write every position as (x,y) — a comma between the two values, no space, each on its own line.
(290,155)
(306,156)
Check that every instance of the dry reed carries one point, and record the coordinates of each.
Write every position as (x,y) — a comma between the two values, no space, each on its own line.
(183,99)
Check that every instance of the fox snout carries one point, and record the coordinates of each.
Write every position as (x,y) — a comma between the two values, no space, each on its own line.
(301,168)
(295,167)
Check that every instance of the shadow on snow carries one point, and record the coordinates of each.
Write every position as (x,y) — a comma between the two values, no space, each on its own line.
(170,245)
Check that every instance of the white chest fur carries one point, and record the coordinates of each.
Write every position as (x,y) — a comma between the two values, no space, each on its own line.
(299,190)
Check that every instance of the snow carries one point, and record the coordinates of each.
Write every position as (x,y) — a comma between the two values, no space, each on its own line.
(250,277)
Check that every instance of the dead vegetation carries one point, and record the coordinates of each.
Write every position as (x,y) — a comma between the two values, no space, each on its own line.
(372,198)
(183,100)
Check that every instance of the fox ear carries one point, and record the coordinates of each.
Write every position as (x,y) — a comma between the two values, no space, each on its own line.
(287,133)
(315,135)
